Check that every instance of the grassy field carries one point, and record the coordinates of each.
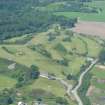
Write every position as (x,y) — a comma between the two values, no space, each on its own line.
(98,74)
(80,48)
(84,16)
(60,48)
(48,86)
(6,82)
(88,16)
(54,6)
(59,52)
(24,55)
(92,46)
(96,71)
(98,92)
(44,85)
(51,86)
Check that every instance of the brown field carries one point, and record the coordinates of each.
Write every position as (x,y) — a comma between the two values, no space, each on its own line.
(90,91)
(90,28)
(101,67)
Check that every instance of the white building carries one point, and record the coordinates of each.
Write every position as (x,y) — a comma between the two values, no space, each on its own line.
(21,103)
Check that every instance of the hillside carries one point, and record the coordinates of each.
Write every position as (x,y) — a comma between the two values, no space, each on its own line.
(52,52)
(56,52)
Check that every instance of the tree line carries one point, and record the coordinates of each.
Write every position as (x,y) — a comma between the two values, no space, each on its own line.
(18,18)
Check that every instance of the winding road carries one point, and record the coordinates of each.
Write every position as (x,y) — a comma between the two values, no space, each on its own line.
(73,91)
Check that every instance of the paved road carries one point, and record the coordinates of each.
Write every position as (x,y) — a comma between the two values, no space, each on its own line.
(75,90)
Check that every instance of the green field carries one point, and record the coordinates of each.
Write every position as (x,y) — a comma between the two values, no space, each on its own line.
(98,74)
(6,82)
(66,57)
(88,16)
(42,60)
(96,71)
(46,84)
(24,55)
(98,92)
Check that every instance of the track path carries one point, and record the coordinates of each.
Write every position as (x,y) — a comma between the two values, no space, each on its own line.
(69,89)
(75,90)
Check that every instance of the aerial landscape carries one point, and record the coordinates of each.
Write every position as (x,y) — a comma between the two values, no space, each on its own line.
(52,52)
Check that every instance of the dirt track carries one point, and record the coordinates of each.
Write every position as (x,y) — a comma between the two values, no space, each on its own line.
(90,28)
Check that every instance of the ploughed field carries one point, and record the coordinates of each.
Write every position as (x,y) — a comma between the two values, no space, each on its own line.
(90,28)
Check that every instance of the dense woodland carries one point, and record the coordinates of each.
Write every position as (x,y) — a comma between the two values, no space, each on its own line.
(19,18)
(22,17)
